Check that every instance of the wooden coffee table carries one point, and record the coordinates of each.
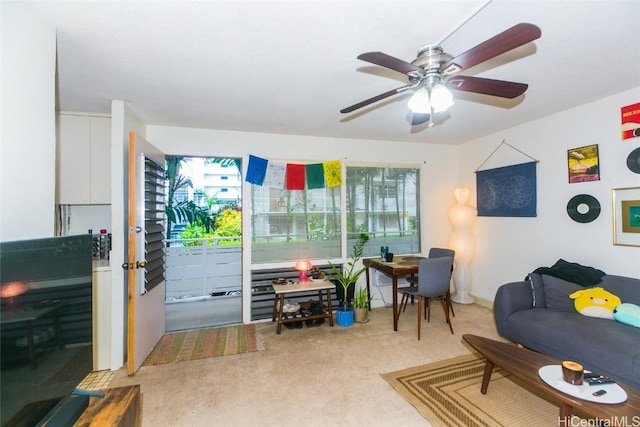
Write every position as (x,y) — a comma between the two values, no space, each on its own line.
(524,365)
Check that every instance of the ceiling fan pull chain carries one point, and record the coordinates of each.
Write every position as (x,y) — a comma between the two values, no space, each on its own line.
(482,6)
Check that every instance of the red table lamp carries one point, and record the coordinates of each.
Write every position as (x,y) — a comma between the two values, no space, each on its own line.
(303,265)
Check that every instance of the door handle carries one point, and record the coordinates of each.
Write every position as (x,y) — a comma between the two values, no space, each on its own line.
(131,266)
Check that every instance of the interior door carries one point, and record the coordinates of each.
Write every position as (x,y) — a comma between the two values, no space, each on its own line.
(145,250)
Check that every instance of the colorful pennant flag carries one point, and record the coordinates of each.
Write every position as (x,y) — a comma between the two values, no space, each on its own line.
(332,173)
(256,170)
(275,175)
(295,177)
(315,176)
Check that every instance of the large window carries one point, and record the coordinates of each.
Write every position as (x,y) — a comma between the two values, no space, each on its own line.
(384,203)
(289,224)
(380,201)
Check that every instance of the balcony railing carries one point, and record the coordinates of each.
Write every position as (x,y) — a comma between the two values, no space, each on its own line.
(203,267)
(199,268)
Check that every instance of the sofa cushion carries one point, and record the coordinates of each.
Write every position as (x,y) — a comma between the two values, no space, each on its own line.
(556,294)
(573,272)
(626,288)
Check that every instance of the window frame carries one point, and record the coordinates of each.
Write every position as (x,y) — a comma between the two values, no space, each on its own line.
(344,242)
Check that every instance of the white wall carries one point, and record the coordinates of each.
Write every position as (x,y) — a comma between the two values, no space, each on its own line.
(27,114)
(507,249)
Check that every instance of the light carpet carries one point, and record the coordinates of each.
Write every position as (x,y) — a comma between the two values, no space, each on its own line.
(203,343)
(447,393)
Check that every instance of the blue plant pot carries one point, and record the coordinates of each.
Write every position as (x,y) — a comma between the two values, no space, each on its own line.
(344,318)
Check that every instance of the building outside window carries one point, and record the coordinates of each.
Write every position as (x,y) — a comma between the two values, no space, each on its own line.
(384,203)
(291,224)
(380,201)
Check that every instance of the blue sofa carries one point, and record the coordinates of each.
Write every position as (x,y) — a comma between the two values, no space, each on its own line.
(538,313)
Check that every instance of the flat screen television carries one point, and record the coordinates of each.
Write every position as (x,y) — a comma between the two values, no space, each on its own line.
(46,325)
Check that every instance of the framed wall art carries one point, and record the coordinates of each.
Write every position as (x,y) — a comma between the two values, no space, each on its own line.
(626,216)
(630,121)
(583,164)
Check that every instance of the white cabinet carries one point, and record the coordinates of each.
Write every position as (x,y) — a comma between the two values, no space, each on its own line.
(84,160)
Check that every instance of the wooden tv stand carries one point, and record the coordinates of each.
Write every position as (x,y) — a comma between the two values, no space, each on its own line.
(119,407)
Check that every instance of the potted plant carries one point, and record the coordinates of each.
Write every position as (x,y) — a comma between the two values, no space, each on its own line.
(347,277)
(360,303)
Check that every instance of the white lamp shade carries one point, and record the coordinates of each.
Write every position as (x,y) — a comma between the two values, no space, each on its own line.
(461,194)
(419,102)
(441,98)
(463,243)
(462,216)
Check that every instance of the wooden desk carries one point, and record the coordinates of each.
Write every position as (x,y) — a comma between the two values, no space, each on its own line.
(310,285)
(28,316)
(400,267)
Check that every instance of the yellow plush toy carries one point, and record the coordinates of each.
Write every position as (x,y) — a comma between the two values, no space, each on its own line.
(595,302)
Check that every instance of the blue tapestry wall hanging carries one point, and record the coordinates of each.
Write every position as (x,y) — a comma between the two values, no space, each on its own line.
(507,191)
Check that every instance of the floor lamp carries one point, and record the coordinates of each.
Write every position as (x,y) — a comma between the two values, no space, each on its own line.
(462,216)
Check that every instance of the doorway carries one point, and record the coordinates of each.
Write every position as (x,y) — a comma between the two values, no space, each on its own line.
(204,242)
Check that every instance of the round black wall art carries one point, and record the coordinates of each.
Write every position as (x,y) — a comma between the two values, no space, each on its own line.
(583,208)
(633,161)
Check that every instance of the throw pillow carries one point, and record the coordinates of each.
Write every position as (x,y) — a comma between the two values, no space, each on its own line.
(573,272)
(627,288)
(629,314)
(556,293)
(595,302)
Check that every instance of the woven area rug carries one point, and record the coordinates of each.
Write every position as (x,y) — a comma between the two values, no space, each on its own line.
(447,393)
(203,343)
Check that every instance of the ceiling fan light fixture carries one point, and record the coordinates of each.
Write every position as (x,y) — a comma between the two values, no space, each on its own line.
(441,98)
(419,102)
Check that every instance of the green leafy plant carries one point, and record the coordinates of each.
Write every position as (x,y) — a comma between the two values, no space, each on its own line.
(348,276)
(195,231)
(186,210)
(229,223)
(361,299)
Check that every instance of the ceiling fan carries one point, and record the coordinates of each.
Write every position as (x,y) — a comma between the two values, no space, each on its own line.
(434,73)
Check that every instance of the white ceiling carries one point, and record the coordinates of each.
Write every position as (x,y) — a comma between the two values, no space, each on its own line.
(289,66)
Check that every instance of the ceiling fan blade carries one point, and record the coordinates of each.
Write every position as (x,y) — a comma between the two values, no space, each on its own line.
(501,88)
(418,119)
(512,38)
(389,62)
(375,99)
